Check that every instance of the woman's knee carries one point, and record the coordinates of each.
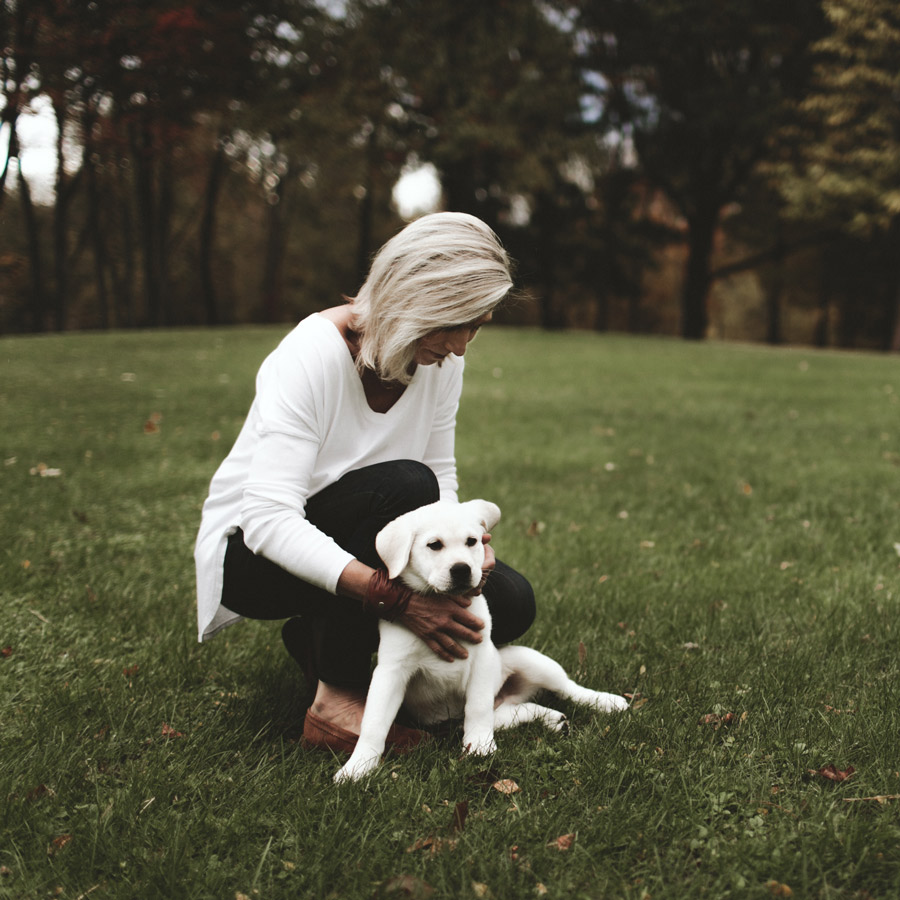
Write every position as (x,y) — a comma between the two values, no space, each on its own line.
(407,484)
(511,601)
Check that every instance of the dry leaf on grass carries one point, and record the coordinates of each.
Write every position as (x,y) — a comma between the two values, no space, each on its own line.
(45,471)
(432,844)
(563,842)
(169,732)
(832,773)
(506,786)
(777,889)
(58,843)
(723,721)
(406,886)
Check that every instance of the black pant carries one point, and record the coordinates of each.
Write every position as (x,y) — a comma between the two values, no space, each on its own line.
(352,511)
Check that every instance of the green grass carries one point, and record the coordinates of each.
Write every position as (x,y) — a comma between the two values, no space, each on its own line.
(708,527)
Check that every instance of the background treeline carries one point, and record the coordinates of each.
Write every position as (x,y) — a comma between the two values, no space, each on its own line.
(676,167)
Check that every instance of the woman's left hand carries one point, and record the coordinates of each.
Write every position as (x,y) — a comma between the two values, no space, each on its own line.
(490,560)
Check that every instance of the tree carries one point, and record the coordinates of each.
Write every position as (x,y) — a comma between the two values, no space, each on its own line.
(700,89)
(846,141)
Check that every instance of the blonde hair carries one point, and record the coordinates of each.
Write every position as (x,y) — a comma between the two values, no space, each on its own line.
(441,271)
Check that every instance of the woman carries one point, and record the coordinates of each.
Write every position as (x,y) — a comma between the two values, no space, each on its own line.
(352,425)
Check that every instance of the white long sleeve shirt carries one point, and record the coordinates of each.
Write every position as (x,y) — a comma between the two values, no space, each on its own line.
(309,425)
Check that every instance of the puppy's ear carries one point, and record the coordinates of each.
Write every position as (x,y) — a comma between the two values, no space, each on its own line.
(486,512)
(394,543)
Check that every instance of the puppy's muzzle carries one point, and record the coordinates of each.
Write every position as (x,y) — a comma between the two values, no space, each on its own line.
(460,577)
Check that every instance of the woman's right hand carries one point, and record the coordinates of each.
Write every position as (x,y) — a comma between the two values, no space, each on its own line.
(442,622)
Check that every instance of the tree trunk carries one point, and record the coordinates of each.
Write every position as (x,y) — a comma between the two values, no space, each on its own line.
(774,290)
(123,281)
(894,346)
(894,342)
(697,277)
(98,239)
(65,188)
(142,153)
(275,243)
(12,150)
(38,299)
(207,235)
(165,205)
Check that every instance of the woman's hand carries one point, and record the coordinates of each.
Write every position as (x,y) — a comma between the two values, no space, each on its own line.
(442,621)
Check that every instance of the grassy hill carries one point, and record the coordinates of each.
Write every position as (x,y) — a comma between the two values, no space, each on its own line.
(711,529)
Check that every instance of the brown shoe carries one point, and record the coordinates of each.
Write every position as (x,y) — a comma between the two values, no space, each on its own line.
(322,735)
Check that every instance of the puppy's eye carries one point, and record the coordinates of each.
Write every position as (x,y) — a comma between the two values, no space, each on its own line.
(471,542)
(435,545)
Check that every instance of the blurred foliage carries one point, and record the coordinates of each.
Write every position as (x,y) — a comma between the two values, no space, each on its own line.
(676,167)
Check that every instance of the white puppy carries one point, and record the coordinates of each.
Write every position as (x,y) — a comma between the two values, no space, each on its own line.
(438,549)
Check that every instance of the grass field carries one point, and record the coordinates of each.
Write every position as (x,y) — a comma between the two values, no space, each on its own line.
(712,529)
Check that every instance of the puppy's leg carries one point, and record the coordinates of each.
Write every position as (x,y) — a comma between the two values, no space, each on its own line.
(478,721)
(531,671)
(508,715)
(382,705)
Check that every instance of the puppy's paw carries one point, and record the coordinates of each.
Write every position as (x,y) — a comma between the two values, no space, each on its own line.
(556,721)
(608,702)
(481,745)
(355,768)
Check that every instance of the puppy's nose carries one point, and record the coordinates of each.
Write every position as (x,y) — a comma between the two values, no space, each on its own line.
(460,575)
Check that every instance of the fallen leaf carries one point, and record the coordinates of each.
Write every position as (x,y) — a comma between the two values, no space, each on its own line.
(150,427)
(582,653)
(540,889)
(777,889)
(832,773)
(878,798)
(45,471)
(40,791)
(58,843)
(481,890)
(128,671)
(506,786)
(535,528)
(429,843)
(406,886)
(563,842)
(6,651)
(716,720)
(169,732)
(746,489)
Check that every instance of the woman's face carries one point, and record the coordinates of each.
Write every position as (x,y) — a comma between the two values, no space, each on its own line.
(436,346)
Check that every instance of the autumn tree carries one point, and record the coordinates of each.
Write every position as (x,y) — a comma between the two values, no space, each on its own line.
(846,138)
(700,90)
